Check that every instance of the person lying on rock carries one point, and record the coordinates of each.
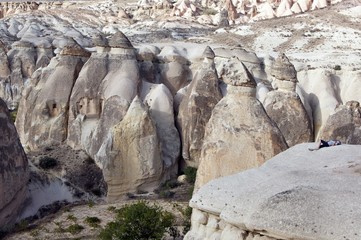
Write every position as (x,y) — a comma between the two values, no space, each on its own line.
(323,143)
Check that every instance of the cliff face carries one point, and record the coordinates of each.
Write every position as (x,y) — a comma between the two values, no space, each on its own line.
(14,172)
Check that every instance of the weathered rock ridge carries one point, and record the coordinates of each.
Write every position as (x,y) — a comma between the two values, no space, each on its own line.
(297,194)
(14,171)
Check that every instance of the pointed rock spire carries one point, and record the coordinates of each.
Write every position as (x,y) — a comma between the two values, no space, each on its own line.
(208,53)
(244,78)
(100,41)
(119,40)
(283,69)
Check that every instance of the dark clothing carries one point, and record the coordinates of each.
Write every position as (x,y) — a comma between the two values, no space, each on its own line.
(329,143)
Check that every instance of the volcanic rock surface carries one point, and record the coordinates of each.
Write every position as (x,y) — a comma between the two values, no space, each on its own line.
(14,171)
(297,194)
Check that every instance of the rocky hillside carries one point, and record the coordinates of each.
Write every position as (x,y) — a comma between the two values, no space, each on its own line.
(144,91)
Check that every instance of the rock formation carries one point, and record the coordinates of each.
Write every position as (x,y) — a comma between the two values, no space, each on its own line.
(322,103)
(284,106)
(43,110)
(196,108)
(297,194)
(100,98)
(174,70)
(239,134)
(14,171)
(160,102)
(136,163)
(344,124)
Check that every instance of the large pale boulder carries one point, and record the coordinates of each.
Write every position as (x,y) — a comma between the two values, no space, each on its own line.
(136,162)
(298,194)
(14,171)
(239,134)
(285,107)
(196,107)
(287,111)
(344,124)
(43,110)
(160,102)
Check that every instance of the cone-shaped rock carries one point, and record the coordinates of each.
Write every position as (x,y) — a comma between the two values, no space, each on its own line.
(119,40)
(195,110)
(136,162)
(285,108)
(239,135)
(283,69)
(208,53)
(43,111)
(100,41)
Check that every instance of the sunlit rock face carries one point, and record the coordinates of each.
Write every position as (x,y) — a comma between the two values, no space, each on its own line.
(196,107)
(284,106)
(43,110)
(14,171)
(239,134)
(100,98)
(136,164)
(344,124)
(298,194)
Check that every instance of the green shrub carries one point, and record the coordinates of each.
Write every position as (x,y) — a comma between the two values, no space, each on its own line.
(13,115)
(191,174)
(138,221)
(47,163)
(337,68)
(71,217)
(166,194)
(111,209)
(187,213)
(92,221)
(22,225)
(74,229)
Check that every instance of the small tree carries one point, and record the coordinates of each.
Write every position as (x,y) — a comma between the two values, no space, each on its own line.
(138,221)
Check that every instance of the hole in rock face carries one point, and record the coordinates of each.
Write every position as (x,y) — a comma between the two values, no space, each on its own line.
(89,107)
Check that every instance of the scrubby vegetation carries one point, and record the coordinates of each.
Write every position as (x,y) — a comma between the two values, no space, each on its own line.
(138,221)
(191,174)
(92,221)
(47,163)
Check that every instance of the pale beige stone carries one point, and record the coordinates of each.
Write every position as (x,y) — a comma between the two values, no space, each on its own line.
(137,163)
(239,134)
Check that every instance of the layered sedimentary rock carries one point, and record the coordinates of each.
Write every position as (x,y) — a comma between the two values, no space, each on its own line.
(136,163)
(239,134)
(196,107)
(43,110)
(344,124)
(14,172)
(298,194)
(284,106)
